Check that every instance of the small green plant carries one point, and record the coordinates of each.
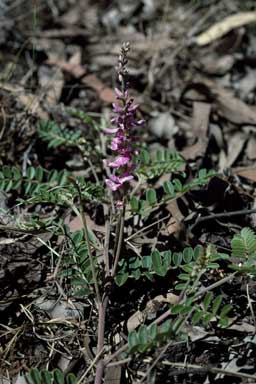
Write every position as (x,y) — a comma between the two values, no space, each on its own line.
(243,247)
(172,189)
(44,376)
(161,162)
(56,136)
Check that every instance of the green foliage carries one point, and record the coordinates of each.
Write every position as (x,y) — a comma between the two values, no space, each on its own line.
(76,267)
(172,189)
(57,136)
(50,377)
(148,337)
(163,161)
(243,247)
(202,261)
(39,185)
(204,311)
(84,117)
(190,261)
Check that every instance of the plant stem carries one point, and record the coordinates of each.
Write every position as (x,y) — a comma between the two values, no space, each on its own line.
(103,305)
(119,240)
(101,331)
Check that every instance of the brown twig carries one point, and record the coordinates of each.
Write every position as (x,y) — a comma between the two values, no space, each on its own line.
(223,215)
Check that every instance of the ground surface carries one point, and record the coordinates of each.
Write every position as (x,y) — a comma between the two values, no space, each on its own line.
(196,98)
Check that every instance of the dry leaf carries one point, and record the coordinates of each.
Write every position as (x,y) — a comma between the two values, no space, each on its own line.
(174,225)
(76,70)
(200,119)
(251,148)
(226,25)
(235,146)
(246,172)
(196,150)
(234,109)
(163,125)
(214,65)
(227,105)
(51,80)
(28,100)
(150,311)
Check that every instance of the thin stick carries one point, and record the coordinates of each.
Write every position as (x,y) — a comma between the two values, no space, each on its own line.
(80,381)
(147,227)
(223,215)
(211,369)
(156,361)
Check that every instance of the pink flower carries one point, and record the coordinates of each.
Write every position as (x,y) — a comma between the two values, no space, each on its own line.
(124,141)
(110,131)
(119,161)
(116,143)
(115,182)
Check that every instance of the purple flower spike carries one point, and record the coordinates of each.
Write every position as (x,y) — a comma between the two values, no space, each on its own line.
(124,121)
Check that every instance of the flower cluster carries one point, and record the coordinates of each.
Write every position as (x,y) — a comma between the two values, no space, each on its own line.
(124,121)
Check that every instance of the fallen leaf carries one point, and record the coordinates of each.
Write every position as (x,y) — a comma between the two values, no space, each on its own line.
(175,223)
(200,119)
(246,172)
(196,150)
(248,83)
(226,104)
(51,80)
(76,70)
(224,26)
(235,146)
(31,102)
(213,65)
(152,307)
(234,109)
(163,125)
(251,148)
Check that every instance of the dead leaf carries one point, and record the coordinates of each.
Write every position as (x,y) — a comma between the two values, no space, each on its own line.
(246,172)
(31,102)
(227,105)
(174,225)
(200,119)
(163,125)
(235,146)
(51,80)
(76,70)
(251,148)
(150,311)
(248,83)
(213,65)
(196,150)
(221,28)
